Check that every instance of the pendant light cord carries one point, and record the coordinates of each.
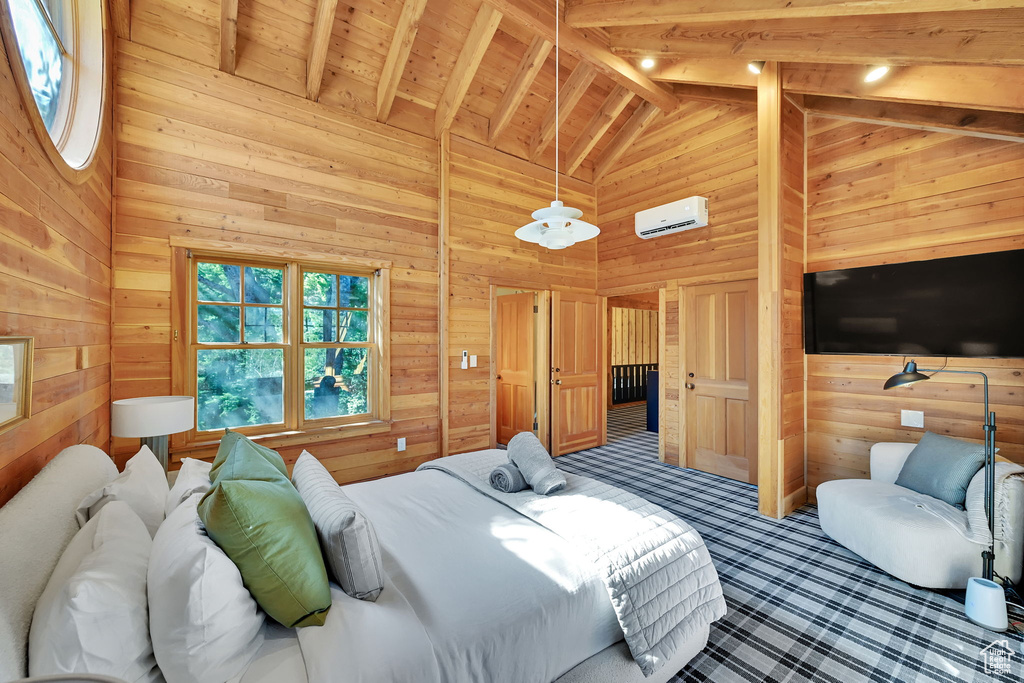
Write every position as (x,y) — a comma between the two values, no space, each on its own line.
(557,112)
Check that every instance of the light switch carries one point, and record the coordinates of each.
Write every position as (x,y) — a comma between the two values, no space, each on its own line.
(912,418)
(472,361)
(401,444)
(465,359)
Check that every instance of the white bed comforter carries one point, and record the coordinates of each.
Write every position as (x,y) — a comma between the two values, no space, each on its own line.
(655,566)
(475,592)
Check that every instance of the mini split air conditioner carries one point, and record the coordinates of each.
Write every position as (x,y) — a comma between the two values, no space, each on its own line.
(684,214)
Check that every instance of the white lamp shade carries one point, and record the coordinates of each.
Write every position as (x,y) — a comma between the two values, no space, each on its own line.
(152,416)
(557,227)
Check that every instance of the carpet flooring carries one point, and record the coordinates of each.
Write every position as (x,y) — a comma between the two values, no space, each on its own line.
(801,607)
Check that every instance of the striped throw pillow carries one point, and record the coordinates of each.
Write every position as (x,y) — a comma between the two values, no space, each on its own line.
(347,538)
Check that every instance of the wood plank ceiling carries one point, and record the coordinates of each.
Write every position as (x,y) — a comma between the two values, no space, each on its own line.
(484,69)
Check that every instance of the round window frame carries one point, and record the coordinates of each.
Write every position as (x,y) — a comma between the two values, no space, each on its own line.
(72,127)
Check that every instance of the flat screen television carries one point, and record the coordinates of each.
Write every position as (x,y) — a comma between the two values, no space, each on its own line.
(970,306)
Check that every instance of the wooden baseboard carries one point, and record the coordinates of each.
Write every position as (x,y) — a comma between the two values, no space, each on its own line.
(794,500)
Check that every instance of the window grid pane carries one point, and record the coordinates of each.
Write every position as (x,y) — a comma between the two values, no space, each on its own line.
(239,385)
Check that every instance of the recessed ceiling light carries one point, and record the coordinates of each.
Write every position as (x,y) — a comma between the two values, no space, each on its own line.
(755,67)
(875,73)
(647,63)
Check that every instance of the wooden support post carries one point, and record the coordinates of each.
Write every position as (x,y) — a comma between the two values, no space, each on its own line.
(444,285)
(769,291)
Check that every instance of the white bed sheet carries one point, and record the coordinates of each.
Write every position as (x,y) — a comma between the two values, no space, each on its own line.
(510,602)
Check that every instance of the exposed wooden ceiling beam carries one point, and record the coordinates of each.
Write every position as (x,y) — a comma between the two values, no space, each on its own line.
(541,21)
(473,49)
(518,88)
(583,13)
(976,87)
(991,37)
(627,135)
(728,73)
(319,41)
(1000,125)
(398,55)
(598,125)
(121,18)
(568,97)
(228,34)
(714,93)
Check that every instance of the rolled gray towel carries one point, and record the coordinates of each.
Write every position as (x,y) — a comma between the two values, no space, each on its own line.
(528,454)
(508,479)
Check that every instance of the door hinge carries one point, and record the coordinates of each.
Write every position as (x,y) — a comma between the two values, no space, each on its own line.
(536,309)
(536,426)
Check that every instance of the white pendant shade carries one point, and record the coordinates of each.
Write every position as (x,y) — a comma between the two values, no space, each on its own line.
(557,227)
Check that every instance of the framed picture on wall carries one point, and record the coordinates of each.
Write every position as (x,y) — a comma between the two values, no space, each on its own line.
(15,381)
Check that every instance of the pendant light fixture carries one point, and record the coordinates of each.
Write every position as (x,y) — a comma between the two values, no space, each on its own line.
(557,226)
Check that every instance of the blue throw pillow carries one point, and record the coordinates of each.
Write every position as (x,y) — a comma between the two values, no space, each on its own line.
(942,467)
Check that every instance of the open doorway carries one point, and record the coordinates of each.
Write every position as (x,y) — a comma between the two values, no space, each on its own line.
(632,347)
(521,363)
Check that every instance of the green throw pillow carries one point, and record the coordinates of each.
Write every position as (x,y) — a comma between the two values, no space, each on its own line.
(259,520)
(233,440)
(942,467)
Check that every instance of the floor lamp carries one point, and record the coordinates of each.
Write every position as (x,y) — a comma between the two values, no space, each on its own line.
(986,601)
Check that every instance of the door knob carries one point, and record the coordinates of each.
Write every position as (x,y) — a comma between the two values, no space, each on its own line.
(690,385)
(498,377)
(558,381)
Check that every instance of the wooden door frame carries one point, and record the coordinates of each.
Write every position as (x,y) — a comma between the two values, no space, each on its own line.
(542,362)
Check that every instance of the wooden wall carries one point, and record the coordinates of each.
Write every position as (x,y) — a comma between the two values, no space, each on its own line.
(709,150)
(55,287)
(702,149)
(207,155)
(491,195)
(634,334)
(880,194)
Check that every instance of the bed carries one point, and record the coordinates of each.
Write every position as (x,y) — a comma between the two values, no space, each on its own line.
(475,591)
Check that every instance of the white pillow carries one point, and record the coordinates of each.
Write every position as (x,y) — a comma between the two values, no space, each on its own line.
(193,477)
(143,485)
(205,625)
(92,616)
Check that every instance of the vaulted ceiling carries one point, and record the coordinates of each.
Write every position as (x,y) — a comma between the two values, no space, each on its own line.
(485,68)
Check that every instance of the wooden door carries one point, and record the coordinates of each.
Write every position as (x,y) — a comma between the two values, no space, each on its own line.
(515,367)
(577,403)
(719,374)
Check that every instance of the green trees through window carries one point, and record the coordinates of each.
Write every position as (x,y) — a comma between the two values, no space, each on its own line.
(245,340)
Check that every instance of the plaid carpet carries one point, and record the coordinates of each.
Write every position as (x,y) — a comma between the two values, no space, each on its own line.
(801,607)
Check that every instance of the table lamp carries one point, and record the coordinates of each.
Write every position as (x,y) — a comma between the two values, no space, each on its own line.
(152,419)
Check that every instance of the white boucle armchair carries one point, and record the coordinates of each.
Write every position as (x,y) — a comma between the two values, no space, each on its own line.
(919,539)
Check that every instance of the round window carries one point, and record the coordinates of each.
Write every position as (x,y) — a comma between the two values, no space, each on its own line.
(56,49)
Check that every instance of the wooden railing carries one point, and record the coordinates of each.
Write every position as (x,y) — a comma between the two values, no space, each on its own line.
(629,382)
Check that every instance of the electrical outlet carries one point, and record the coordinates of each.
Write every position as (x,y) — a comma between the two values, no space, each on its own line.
(401,444)
(912,418)
(472,361)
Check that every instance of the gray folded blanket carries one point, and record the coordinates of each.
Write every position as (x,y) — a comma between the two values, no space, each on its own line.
(508,479)
(528,454)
